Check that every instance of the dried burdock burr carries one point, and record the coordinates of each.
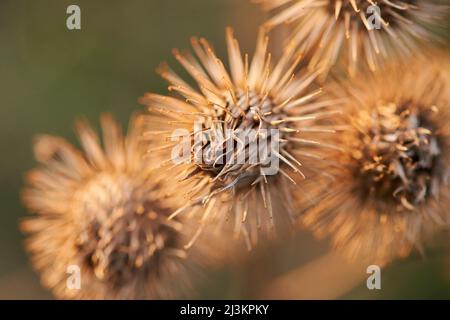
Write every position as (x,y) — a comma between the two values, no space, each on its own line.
(390,190)
(98,213)
(234,143)
(358,33)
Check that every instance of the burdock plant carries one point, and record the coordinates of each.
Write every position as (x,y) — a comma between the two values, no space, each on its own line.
(246,147)
(255,99)
(97,209)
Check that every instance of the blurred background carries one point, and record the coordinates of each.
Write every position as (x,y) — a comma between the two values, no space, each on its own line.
(50,75)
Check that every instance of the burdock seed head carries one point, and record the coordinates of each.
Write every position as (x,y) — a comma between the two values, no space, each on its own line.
(246,132)
(358,32)
(99,217)
(390,189)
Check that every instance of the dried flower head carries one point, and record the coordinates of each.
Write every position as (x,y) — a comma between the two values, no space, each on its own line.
(245,131)
(98,210)
(373,29)
(390,189)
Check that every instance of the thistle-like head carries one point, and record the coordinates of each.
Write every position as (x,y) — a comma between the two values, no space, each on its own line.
(98,210)
(244,133)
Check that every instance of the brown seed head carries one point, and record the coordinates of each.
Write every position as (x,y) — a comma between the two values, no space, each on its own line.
(98,209)
(389,190)
(224,172)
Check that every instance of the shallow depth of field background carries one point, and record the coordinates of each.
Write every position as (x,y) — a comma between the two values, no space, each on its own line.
(50,75)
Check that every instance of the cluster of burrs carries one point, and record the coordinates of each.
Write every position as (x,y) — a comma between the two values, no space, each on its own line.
(255,149)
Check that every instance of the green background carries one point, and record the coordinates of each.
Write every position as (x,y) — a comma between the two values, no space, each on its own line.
(49,76)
